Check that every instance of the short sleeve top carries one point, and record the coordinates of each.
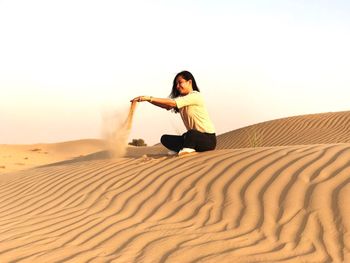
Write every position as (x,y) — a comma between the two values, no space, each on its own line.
(194,113)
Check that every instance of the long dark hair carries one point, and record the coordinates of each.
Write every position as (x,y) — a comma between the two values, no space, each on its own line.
(186,75)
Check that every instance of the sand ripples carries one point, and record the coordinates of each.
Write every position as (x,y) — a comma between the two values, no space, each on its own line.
(297,130)
(277,204)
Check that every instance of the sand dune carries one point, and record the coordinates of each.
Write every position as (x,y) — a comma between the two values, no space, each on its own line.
(264,204)
(333,127)
(21,157)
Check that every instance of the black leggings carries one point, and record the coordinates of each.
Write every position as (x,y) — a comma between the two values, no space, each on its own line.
(193,139)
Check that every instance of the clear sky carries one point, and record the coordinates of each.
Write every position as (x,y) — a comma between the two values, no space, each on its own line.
(66,64)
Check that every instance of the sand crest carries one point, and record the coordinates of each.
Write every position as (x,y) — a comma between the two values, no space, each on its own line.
(332,127)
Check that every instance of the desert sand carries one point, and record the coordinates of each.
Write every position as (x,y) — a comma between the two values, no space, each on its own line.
(277,191)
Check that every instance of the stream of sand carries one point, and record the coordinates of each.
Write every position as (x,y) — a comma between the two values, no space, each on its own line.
(116,133)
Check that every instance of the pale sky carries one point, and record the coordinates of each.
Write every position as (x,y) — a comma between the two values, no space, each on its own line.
(66,64)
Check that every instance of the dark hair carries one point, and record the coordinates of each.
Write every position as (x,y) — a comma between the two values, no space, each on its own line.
(187,76)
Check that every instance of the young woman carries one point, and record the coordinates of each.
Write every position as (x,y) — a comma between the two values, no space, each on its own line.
(186,99)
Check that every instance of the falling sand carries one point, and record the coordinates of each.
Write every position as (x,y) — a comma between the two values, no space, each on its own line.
(116,130)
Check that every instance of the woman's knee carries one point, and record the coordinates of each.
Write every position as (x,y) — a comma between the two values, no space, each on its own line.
(167,139)
(172,142)
(164,138)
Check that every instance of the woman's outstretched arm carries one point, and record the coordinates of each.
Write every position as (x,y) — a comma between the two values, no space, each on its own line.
(160,102)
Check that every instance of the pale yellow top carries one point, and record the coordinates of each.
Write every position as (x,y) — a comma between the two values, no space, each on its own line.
(194,113)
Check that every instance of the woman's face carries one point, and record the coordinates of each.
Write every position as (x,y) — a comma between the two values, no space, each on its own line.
(183,86)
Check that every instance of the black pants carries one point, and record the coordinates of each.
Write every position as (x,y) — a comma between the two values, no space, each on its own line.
(191,139)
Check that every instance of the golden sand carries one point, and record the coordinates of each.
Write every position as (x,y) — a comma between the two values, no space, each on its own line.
(286,203)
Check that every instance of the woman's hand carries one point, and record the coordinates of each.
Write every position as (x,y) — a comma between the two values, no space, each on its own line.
(141,98)
(165,103)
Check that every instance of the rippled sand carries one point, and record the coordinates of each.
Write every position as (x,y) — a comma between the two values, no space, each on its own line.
(275,201)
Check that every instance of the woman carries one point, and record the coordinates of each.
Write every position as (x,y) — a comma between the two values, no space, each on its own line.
(186,99)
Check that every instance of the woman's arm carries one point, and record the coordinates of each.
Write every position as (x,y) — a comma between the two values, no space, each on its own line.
(160,102)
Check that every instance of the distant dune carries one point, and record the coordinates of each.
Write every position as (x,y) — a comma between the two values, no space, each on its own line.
(277,191)
(20,157)
(333,127)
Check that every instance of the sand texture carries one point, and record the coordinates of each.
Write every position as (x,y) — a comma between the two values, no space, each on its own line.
(333,127)
(283,199)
